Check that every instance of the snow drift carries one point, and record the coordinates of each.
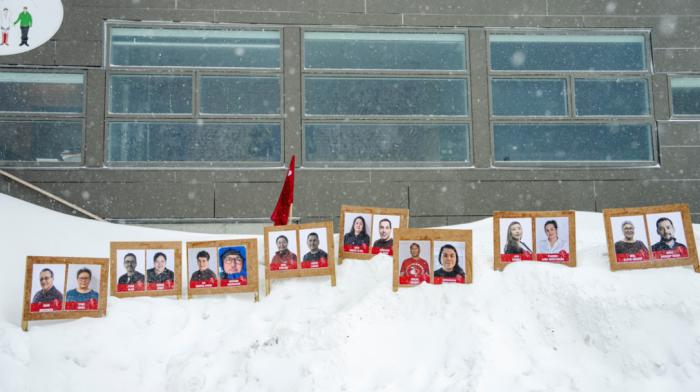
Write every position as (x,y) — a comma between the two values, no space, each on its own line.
(533,327)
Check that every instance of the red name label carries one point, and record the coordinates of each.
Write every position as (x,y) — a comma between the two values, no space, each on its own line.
(290,265)
(383,251)
(126,288)
(458,279)
(526,256)
(632,257)
(202,284)
(242,281)
(54,306)
(356,248)
(89,305)
(167,285)
(407,280)
(561,257)
(323,263)
(678,253)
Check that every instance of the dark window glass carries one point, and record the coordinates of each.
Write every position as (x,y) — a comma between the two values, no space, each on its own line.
(573,142)
(685,93)
(194,48)
(611,97)
(41,141)
(540,52)
(41,92)
(386,97)
(239,95)
(529,97)
(194,142)
(387,142)
(150,94)
(339,50)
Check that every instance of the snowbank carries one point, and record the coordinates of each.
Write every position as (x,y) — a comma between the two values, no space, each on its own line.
(533,327)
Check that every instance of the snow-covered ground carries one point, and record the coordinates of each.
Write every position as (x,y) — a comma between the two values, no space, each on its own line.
(533,327)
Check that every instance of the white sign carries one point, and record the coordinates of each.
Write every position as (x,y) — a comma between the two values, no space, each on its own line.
(27,24)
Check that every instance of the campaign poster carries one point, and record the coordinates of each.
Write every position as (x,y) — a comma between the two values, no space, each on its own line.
(26,25)
(449,262)
(357,232)
(233,264)
(516,239)
(383,233)
(159,269)
(203,268)
(83,287)
(667,235)
(47,287)
(552,235)
(413,268)
(282,247)
(630,238)
(131,270)
(313,245)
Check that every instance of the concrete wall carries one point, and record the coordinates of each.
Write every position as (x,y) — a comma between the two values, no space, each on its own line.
(435,197)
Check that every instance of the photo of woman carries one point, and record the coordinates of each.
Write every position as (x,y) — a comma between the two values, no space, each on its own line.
(629,236)
(282,250)
(83,292)
(356,238)
(447,263)
(515,239)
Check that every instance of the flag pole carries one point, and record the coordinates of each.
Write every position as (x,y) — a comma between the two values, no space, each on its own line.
(291,207)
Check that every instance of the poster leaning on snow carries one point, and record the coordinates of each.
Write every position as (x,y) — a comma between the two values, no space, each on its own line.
(650,237)
(222,267)
(368,231)
(64,288)
(147,269)
(544,236)
(432,256)
(299,250)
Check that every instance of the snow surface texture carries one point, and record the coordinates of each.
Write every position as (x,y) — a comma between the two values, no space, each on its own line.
(533,327)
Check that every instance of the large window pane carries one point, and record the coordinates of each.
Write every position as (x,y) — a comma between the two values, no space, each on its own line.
(193,142)
(386,97)
(239,95)
(611,97)
(539,52)
(387,142)
(529,97)
(685,93)
(41,92)
(572,142)
(150,94)
(41,141)
(194,48)
(336,50)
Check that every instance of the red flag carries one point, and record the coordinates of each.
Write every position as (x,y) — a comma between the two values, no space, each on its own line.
(281,214)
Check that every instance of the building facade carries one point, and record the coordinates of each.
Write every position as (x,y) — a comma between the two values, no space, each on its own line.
(185,112)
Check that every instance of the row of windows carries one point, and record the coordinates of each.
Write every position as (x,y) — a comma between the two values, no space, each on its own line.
(183,95)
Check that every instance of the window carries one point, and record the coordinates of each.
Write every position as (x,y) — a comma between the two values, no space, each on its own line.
(685,96)
(42,118)
(385,98)
(194,95)
(568,98)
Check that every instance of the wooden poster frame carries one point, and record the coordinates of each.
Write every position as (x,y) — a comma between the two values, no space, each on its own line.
(498,265)
(64,314)
(253,285)
(433,235)
(177,268)
(652,263)
(299,273)
(403,223)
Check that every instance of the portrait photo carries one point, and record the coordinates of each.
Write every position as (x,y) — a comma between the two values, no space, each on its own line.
(449,262)
(313,246)
(413,262)
(552,239)
(630,237)
(48,289)
(160,264)
(83,287)
(283,250)
(357,232)
(667,236)
(516,239)
(203,268)
(233,266)
(131,270)
(383,233)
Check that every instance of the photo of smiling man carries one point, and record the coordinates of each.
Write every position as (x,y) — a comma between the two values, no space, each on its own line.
(314,248)
(131,265)
(202,268)
(233,266)
(383,233)
(668,229)
(47,286)
(158,276)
